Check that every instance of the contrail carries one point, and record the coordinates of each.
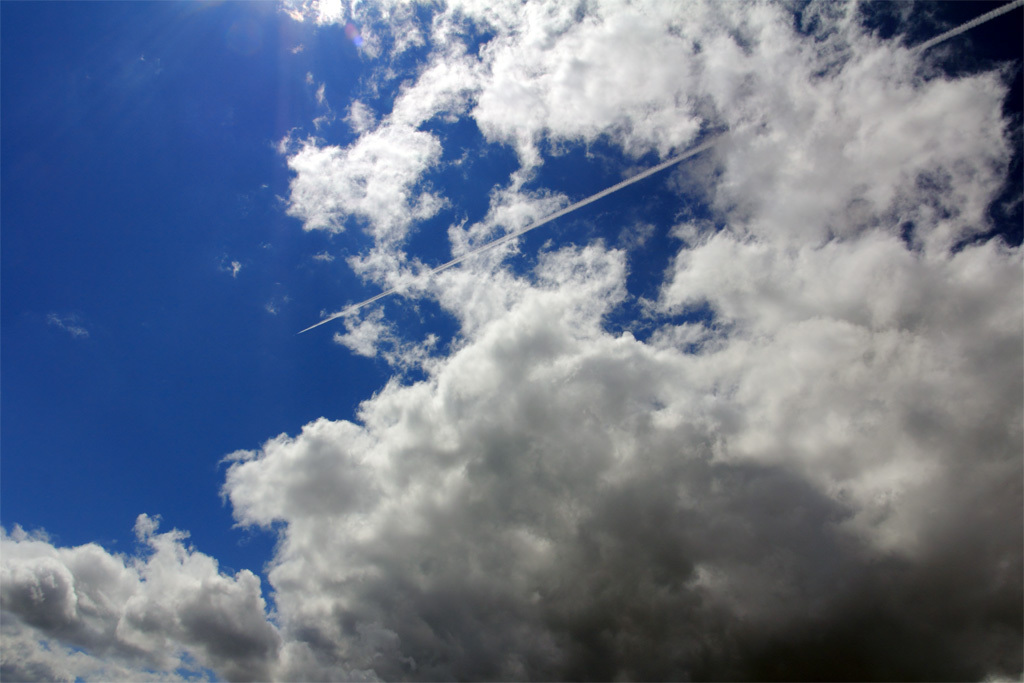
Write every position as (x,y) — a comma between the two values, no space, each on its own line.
(547,219)
(967,26)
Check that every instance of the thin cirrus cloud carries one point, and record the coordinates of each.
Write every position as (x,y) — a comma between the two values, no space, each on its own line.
(70,323)
(233,267)
(804,464)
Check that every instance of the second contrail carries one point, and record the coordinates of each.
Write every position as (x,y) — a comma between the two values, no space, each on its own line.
(693,151)
(968,25)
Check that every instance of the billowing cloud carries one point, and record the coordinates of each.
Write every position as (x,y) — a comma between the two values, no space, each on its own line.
(557,501)
(785,487)
(618,73)
(810,469)
(168,608)
(374,180)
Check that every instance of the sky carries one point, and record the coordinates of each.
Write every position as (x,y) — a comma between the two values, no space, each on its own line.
(756,416)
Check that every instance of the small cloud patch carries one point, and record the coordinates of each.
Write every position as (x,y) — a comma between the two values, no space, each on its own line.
(70,323)
(233,267)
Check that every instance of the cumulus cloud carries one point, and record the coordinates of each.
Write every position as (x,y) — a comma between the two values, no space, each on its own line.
(375,180)
(783,488)
(618,73)
(811,469)
(557,501)
(168,608)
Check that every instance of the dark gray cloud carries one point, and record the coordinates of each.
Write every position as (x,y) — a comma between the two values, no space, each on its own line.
(558,502)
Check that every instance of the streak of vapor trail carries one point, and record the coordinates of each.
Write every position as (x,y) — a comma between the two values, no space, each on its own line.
(968,25)
(707,144)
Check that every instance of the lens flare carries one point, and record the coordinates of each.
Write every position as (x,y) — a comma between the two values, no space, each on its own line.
(352,33)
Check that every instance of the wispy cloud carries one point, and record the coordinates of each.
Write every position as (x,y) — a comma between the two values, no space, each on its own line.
(319,11)
(274,306)
(71,323)
(233,267)
(360,117)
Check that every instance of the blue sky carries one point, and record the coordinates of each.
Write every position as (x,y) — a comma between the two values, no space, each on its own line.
(133,178)
(821,312)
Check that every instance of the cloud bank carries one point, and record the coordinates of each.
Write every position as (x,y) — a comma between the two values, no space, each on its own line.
(810,469)
(82,612)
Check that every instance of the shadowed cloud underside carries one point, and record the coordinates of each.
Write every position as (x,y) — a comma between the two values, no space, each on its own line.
(755,411)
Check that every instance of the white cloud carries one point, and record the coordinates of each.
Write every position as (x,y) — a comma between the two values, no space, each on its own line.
(550,478)
(273,307)
(167,608)
(328,115)
(635,236)
(618,73)
(553,496)
(372,337)
(360,117)
(445,88)
(319,11)
(233,267)
(364,335)
(855,148)
(829,470)
(71,323)
(375,179)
